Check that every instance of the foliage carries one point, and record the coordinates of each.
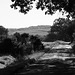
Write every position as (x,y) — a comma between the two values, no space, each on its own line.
(71,30)
(28,43)
(50,37)
(36,43)
(18,36)
(51,5)
(24,37)
(7,46)
(20,44)
(62,29)
(60,25)
(3,32)
(25,5)
(21,37)
(28,49)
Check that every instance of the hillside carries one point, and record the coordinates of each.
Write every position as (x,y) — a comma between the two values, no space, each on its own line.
(33,30)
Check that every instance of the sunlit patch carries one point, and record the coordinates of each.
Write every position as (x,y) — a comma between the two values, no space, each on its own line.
(62,47)
(6,60)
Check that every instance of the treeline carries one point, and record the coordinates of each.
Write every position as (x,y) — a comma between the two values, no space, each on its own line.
(18,44)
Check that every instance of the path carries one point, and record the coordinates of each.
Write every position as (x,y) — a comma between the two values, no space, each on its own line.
(50,64)
(58,62)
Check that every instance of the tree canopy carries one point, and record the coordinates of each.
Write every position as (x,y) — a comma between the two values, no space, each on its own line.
(3,33)
(18,36)
(62,29)
(51,6)
(24,37)
(60,25)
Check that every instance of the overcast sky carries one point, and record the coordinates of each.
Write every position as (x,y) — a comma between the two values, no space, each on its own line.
(11,18)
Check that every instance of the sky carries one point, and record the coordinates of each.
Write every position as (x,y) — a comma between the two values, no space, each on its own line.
(10,18)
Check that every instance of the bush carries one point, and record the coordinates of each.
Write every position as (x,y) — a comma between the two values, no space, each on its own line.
(36,43)
(50,37)
(7,46)
(28,49)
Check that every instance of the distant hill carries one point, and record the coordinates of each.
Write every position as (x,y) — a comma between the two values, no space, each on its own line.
(32,30)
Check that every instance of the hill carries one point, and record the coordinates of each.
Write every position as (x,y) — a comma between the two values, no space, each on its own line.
(32,30)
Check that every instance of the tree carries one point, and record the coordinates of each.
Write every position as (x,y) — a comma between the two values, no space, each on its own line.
(50,37)
(51,5)
(8,47)
(36,43)
(62,29)
(3,32)
(60,25)
(18,36)
(71,30)
(25,5)
(32,40)
(24,37)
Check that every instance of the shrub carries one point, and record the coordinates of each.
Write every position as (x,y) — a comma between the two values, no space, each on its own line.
(7,46)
